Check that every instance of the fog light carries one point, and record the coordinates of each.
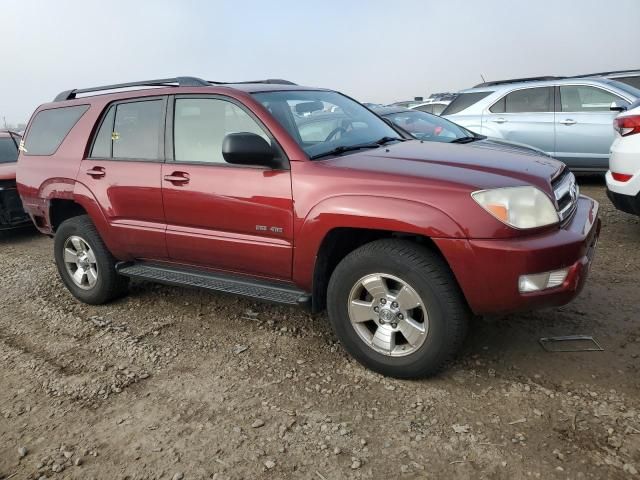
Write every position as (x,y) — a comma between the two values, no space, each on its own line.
(542,281)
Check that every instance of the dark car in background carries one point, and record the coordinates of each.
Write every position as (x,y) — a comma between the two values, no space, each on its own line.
(12,214)
(432,128)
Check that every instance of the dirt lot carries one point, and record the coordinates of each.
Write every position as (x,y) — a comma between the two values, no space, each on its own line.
(174,383)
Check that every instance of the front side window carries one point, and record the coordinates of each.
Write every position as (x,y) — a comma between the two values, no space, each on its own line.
(526,100)
(8,150)
(583,98)
(200,125)
(50,127)
(321,122)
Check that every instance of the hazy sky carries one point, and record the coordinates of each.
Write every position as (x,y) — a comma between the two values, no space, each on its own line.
(378,51)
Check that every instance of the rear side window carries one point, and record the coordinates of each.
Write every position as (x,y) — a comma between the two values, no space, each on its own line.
(633,81)
(527,100)
(132,130)
(464,101)
(8,150)
(587,99)
(49,128)
(425,108)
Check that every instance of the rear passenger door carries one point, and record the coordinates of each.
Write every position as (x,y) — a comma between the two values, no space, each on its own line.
(228,217)
(524,116)
(583,125)
(123,172)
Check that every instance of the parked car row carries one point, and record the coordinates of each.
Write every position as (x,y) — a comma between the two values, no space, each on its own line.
(12,215)
(623,177)
(303,196)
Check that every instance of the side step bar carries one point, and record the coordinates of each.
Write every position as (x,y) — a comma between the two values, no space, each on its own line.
(237,285)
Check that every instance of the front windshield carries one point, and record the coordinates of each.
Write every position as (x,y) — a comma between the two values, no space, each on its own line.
(323,122)
(8,150)
(428,127)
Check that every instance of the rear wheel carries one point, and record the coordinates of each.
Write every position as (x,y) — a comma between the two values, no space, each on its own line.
(85,265)
(397,308)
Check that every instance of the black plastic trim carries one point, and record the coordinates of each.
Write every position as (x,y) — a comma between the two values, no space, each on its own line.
(269,291)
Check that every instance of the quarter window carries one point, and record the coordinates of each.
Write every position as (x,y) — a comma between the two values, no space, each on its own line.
(526,100)
(200,125)
(464,101)
(49,128)
(582,98)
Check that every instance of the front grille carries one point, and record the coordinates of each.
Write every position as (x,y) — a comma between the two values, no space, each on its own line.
(566,192)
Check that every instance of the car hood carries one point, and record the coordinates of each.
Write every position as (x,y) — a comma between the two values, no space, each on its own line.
(478,165)
(7,171)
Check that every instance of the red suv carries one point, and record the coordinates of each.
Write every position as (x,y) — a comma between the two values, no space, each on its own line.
(302,196)
(12,215)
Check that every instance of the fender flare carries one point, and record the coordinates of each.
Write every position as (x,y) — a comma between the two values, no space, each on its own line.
(365,212)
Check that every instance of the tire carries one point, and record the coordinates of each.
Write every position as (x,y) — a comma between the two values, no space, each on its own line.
(101,283)
(436,326)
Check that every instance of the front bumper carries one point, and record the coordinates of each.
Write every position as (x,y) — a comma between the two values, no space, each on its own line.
(488,270)
(626,203)
(12,214)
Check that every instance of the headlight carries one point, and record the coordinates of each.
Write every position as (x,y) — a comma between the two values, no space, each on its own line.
(518,207)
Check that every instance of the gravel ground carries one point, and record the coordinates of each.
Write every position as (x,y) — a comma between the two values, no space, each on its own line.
(172,383)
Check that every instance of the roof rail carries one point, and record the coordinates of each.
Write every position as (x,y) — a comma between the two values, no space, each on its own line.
(603,74)
(273,81)
(163,82)
(516,80)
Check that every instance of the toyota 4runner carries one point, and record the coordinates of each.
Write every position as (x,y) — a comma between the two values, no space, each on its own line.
(302,196)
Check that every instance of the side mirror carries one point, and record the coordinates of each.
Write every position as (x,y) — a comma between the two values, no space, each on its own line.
(244,148)
(616,107)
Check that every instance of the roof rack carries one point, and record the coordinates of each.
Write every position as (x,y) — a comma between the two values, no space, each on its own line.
(162,82)
(516,80)
(603,74)
(274,81)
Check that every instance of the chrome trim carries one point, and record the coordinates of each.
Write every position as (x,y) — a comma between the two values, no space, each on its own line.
(566,186)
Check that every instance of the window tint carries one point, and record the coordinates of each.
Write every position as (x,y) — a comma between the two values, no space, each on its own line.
(529,100)
(438,108)
(587,99)
(634,81)
(137,130)
(499,106)
(8,150)
(425,108)
(102,145)
(200,125)
(49,128)
(464,101)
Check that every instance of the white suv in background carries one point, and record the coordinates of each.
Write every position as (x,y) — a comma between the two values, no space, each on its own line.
(623,177)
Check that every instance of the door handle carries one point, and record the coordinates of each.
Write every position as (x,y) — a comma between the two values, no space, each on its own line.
(177,178)
(568,121)
(499,120)
(96,172)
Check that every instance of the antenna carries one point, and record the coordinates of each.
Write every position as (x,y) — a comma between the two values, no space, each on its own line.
(482,77)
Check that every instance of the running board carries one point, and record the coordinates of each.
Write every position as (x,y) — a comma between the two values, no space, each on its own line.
(237,285)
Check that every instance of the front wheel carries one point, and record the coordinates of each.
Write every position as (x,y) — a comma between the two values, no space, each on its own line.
(397,308)
(84,263)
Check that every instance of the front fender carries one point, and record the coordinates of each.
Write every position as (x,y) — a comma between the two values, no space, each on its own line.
(365,212)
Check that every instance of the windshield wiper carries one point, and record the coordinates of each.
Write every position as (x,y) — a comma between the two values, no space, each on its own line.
(385,140)
(466,139)
(343,149)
